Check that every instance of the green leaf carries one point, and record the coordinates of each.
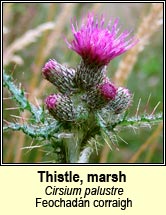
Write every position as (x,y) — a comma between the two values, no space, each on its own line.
(19,96)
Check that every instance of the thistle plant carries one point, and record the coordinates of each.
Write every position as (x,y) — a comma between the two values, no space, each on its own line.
(88,108)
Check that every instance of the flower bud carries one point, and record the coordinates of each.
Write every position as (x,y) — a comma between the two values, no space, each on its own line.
(59,75)
(99,96)
(60,107)
(122,101)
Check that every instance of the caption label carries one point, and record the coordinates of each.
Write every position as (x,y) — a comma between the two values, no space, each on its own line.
(99,191)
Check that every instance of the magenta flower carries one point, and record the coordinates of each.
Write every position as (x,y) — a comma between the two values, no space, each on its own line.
(60,107)
(48,67)
(108,91)
(98,44)
(51,101)
(101,95)
(59,75)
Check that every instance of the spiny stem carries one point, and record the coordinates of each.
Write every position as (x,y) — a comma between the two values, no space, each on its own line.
(19,96)
(44,131)
(138,121)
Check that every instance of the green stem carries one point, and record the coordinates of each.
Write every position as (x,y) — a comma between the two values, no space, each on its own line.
(138,121)
(81,132)
(71,142)
(72,151)
(85,155)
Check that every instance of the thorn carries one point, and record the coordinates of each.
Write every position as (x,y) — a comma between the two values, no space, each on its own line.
(106,134)
(108,144)
(117,149)
(13,69)
(20,85)
(26,93)
(122,139)
(133,96)
(114,138)
(7,122)
(146,106)
(52,161)
(77,140)
(48,153)
(65,135)
(13,108)
(96,147)
(15,116)
(138,106)
(134,129)
(31,147)
(15,121)
(155,108)
(101,118)
(149,125)
(37,103)
(7,98)
(19,117)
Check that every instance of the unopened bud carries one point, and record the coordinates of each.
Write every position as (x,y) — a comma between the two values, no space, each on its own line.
(99,96)
(59,75)
(122,100)
(60,107)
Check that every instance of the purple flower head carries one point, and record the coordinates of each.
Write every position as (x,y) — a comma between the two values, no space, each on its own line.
(60,107)
(51,101)
(98,44)
(108,90)
(50,65)
(99,96)
(59,75)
